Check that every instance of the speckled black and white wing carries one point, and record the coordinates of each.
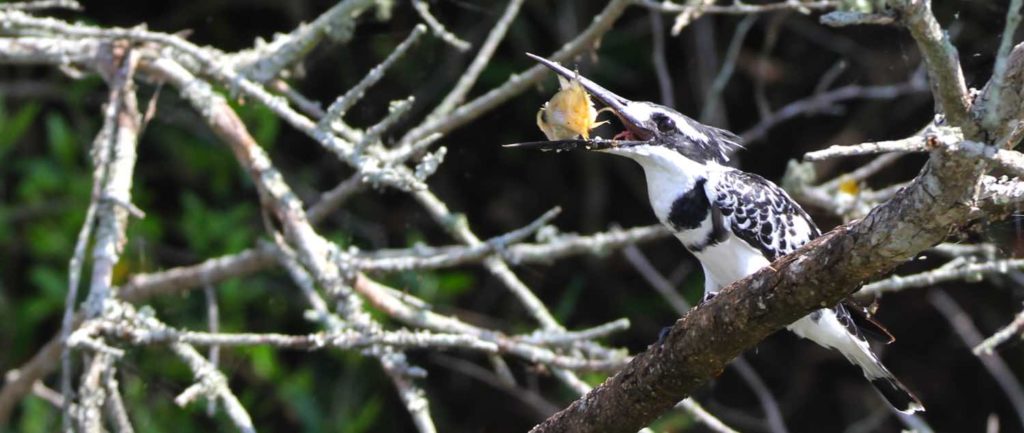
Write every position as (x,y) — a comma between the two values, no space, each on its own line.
(760,213)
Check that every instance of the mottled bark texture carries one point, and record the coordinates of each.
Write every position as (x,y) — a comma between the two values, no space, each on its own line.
(1011,102)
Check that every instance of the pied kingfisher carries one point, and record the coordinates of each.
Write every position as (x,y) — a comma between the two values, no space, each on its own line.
(734,222)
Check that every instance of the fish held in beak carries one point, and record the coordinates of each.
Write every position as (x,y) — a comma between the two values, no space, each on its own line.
(634,129)
(569,114)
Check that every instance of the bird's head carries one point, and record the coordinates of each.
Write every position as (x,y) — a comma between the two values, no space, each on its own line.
(650,129)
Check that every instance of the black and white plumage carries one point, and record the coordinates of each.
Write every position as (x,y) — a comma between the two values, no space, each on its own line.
(734,222)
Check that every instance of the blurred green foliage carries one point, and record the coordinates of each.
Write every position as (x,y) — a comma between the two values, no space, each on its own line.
(199,204)
(46,188)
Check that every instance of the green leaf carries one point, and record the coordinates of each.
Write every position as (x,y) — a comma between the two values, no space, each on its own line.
(61,139)
(297,393)
(14,128)
(454,283)
(49,242)
(264,361)
(41,178)
(212,231)
(37,416)
(49,281)
(261,122)
(570,298)
(365,418)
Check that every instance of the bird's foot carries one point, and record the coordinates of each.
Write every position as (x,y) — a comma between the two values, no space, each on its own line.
(662,335)
(707,297)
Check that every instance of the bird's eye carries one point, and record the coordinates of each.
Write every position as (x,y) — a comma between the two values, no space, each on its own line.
(664,123)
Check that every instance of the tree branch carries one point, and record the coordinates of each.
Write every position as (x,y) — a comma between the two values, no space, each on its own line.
(943,62)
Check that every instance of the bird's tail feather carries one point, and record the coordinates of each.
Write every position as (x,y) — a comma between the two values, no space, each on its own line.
(825,328)
(898,396)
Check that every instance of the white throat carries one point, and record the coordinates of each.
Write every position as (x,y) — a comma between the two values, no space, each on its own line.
(669,174)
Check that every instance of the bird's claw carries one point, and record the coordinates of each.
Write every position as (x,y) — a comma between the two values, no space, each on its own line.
(662,335)
(707,297)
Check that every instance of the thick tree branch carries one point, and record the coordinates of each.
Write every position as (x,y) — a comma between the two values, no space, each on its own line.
(1009,106)
(943,62)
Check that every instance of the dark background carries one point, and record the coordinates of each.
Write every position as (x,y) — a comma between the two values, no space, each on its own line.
(200,205)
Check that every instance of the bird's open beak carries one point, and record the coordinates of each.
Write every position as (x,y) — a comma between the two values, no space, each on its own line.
(637,133)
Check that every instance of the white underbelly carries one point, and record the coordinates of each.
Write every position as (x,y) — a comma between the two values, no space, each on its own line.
(727,262)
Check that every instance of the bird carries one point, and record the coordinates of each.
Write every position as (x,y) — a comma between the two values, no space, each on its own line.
(732,221)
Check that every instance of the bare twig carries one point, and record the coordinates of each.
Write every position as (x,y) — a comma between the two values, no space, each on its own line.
(207,61)
(373,134)
(714,94)
(572,244)
(1011,330)
(211,382)
(825,100)
(430,258)
(852,18)
(458,93)
(92,395)
(1009,160)
(962,326)
(772,413)
(213,319)
(414,397)
(965,271)
(1001,195)
(114,161)
(266,60)
(340,106)
(716,425)
(520,82)
(313,251)
(738,8)
(42,4)
(659,61)
(438,28)
(570,337)
(865,171)
(540,406)
(655,279)
(459,228)
(115,404)
(101,145)
(381,298)
(694,10)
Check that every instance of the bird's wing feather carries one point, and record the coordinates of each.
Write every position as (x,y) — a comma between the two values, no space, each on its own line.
(760,213)
(765,217)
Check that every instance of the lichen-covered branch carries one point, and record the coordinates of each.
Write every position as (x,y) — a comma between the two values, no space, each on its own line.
(943,62)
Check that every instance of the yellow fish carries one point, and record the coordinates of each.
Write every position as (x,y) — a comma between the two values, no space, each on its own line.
(569,114)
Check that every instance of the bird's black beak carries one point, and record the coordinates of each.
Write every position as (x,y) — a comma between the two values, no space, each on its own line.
(617,104)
